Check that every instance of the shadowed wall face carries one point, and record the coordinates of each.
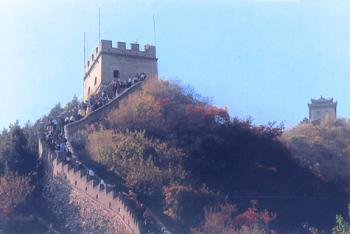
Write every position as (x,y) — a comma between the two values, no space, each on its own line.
(108,63)
(322,108)
(80,203)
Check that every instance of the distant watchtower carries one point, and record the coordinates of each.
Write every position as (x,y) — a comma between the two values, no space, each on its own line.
(107,63)
(322,107)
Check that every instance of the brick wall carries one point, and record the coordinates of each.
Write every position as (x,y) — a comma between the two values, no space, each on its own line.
(88,205)
(84,204)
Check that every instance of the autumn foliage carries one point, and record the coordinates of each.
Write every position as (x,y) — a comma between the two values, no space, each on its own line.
(14,190)
(142,110)
(323,147)
(185,203)
(145,164)
(225,218)
(166,140)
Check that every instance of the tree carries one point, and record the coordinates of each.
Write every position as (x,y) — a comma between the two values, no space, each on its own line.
(322,147)
(342,226)
(186,204)
(139,111)
(224,218)
(14,190)
(15,153)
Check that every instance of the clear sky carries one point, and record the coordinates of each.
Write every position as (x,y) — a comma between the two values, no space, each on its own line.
(261,58)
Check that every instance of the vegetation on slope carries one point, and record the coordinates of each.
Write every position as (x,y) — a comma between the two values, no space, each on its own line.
(21,205)
(18,178)
(170,144)
(192,162)
(323,147)
(145,163)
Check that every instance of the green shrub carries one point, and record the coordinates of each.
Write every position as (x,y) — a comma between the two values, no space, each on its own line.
(145,164)
(342,227)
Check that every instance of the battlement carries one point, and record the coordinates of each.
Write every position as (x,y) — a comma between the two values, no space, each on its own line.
(322,107)
(106,47)
(322,101)
(90,186)
(78,178)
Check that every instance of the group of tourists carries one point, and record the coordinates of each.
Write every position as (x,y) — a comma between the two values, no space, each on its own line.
(108,93)
(54,136)
(101,98)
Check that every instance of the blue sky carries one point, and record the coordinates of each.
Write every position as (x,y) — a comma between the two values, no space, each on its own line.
(261,58)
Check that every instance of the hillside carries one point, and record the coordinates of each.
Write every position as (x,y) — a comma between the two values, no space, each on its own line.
(199,169)
(322,147)
(21,208)
(183,156)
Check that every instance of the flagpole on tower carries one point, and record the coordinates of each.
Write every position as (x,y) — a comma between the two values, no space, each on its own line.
(84,52)
(99,25)
(154,30)
(87,50)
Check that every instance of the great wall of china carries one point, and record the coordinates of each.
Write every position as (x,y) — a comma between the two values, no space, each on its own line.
(80,199)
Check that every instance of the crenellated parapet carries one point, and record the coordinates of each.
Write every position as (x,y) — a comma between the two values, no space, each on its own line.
(322,107)
(109,63)
(90,187)
(120,49)
(76,175)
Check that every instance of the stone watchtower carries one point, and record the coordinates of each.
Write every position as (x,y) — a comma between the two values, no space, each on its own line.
(322,107)
(107,63)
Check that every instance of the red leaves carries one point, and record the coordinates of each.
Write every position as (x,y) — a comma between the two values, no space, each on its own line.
(248,217)
(165,102)
(14,190)
(252,216)
(206,110)
(203,112)
(224,219)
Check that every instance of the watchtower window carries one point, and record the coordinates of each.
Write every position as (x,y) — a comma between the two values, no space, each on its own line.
(89,90)
(95,80)
(116,74)
(96,196)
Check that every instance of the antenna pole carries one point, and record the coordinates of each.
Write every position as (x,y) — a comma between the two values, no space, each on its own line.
(99,25)
(84,53)
(154,30)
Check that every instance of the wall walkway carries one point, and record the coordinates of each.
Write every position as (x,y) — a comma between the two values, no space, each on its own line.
(111,205)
